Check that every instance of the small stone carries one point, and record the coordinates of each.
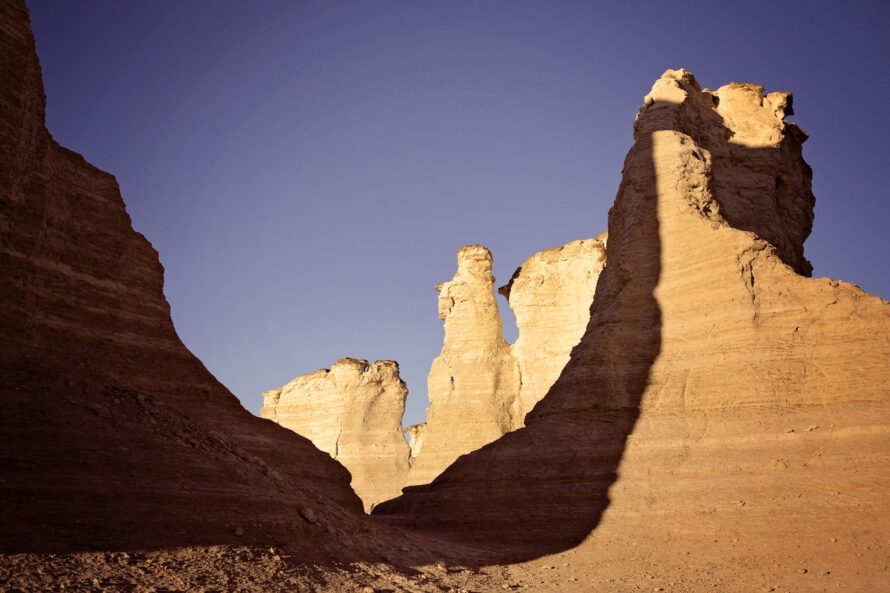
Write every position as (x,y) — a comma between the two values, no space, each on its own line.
(100,411)
(367,589)
(239,531)
(789,430)
(812,428)
(309,515)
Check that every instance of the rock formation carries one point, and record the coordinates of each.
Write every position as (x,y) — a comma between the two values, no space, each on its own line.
(720,400)
(724,418)
(112,432)
(354,413)
(479,387)
(474,381)
(551,294)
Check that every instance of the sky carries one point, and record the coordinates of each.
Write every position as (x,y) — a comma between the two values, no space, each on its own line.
(308,170)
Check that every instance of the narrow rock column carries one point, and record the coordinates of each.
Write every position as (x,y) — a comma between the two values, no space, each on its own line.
(474,381)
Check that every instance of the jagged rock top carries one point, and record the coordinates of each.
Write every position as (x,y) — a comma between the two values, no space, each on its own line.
(761,184)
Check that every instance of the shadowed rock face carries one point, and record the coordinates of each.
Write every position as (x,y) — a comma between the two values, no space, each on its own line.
(113,434)
(718,392)
(354,413)
(480,387)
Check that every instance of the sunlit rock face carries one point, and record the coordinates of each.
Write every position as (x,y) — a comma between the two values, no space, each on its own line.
(354,413)
(551,294)
(717,387)
(474,381)
(480,387)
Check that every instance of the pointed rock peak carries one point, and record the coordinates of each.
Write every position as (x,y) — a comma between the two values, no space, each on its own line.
(475,261)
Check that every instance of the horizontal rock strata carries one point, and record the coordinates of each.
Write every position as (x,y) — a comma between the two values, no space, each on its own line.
(112,433)
(354,413)
(719,395)
(551,294)
(480,387)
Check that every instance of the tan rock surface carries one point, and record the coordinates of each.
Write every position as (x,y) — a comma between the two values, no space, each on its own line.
(551,294)
(416,435)
(474,381)
(723,425)
(720,404)
(480,387)
(354,413)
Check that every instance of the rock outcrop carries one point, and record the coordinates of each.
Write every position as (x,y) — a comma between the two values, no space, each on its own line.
(474,381)
(551,294)
(112,433)
(720,399)
(354,413)
(480,387)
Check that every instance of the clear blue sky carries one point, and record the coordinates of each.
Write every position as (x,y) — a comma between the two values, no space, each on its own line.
(307,170)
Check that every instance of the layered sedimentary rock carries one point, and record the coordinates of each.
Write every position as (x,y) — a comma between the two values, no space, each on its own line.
(112,432)
(551,294)
(479,387)
(720,399)
(473,382)
(354,413)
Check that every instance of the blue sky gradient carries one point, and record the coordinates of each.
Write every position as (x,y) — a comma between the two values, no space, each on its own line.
(307,170)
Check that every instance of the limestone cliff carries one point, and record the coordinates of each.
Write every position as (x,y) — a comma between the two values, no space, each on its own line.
(720,400)
(354,413)
(480,387)
(112,432)
(551,294)
(475,379)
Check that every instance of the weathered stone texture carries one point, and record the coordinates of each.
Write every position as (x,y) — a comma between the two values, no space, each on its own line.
(719,394)
(551,295)
(354,413)
(113,433)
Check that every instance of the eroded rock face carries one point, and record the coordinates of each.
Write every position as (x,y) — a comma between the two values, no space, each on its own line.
(480,387)
(354,413)
(416,435)
(717,387)
(475,379)
(551,294)
(113,433)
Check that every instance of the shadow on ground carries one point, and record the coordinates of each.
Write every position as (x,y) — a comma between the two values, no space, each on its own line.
(542,489)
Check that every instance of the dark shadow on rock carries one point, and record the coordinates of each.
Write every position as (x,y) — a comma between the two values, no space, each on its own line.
(544,488)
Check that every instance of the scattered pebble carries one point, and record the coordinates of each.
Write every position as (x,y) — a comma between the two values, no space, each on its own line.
(309,515)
